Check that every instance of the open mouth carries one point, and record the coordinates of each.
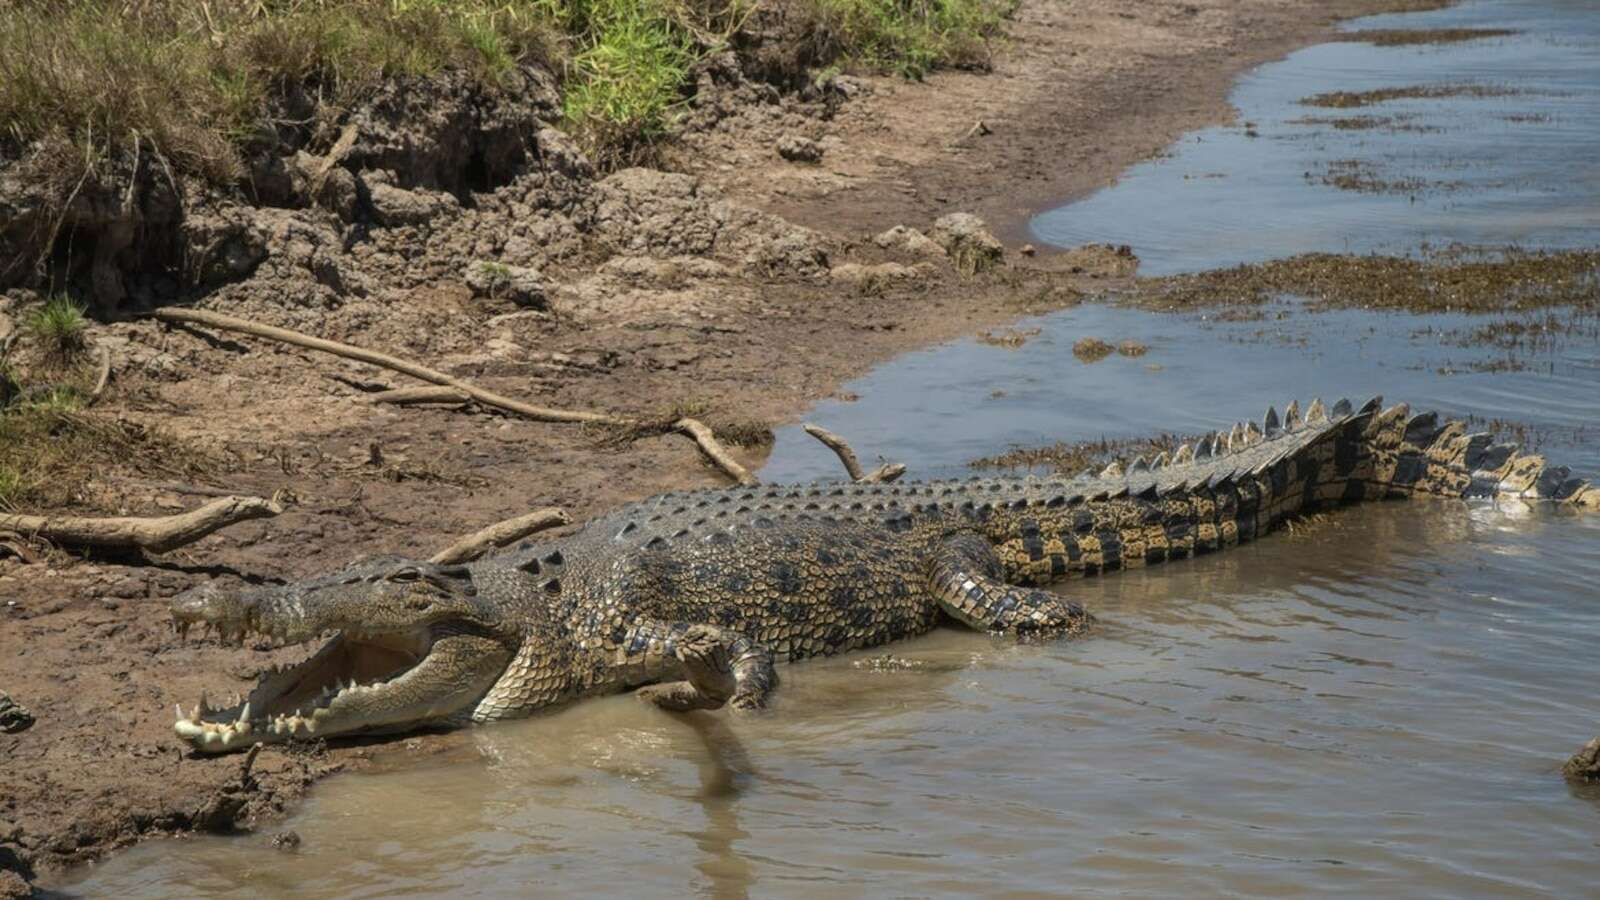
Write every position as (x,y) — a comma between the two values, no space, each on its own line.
(323,695)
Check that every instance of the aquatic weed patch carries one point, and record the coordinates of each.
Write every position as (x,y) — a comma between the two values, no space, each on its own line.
(1452,280)
(1355,99)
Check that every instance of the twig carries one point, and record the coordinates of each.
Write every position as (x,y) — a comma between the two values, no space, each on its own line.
(156,534)
(499,534)
(702,435)
(690,427)
(383,360)
(852,466)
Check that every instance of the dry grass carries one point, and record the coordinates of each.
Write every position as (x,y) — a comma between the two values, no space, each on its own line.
(194,84)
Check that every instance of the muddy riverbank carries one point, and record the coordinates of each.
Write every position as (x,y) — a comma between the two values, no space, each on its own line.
(742,282)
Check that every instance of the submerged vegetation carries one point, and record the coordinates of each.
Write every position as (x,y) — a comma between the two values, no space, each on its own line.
(1455,280)
(197,84)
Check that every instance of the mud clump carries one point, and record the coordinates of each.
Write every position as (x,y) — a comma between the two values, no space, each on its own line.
(1584,766)
(1132,349)
(799,149)
(967,241)
(1091,349)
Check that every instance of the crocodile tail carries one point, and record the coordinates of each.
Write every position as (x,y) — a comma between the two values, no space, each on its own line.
(1378,452)
(1404,454)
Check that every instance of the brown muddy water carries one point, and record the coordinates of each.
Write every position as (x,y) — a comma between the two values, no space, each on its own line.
(1379,705)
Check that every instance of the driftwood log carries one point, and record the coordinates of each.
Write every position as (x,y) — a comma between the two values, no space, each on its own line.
(499,534)
(691,428)
(157,534)
(852,466)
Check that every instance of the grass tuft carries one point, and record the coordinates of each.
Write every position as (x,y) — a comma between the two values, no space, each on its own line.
(913,37)
(59,326)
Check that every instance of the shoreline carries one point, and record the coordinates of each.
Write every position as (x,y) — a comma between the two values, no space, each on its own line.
(101,771)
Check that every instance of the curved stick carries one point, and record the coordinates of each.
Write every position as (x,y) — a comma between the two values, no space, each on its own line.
(852,466)
(498,535)
(156,534)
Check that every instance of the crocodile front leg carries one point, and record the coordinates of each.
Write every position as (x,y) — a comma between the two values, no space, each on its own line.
(718,666)
(965,580)
(708,674)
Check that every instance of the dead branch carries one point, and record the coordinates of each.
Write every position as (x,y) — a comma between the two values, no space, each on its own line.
(852,466)
(411,396)
(499,534)
(885,473)
(693,428)
(702,435)
(156,534)
(383,360)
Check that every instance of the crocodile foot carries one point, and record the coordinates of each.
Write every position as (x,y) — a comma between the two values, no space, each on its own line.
(709,681)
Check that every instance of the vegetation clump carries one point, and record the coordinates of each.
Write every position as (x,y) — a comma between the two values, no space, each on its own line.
(59,326)
(1353,99)
(1453,280)
(198,85)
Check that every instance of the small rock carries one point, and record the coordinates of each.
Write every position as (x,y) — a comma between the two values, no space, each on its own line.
(1132,348)
(1027,250)
(393,207)
(518,285)
(287,841)
(1091,350)
(967,241)
(1584,766)
(795,148)
(909,240)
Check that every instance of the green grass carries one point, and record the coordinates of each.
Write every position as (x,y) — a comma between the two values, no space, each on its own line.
(913,37)
(197,85)
(59,327)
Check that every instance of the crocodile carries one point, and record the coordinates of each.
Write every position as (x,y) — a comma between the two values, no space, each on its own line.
(692,597)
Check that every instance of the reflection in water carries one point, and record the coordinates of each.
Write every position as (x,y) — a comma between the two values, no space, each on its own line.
(723,768)
(1382,702)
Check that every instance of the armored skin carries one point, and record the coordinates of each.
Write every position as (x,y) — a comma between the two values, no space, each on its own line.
(692,597)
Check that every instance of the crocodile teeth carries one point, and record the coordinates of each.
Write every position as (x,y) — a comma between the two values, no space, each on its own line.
(244,715)
(205,705)
(1342,408)
(1270,424)
(1183,455)
(1236,437)
(1252,434)
(1316,414)
(1139,465)
(1113,469)
(1161,461)
(1291,415)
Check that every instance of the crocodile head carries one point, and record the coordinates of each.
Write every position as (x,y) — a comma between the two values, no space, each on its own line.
(405,645)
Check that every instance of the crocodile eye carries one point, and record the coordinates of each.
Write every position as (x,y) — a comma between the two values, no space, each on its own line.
(405,576)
